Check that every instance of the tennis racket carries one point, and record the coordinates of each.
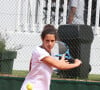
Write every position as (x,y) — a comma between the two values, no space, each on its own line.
(64,49)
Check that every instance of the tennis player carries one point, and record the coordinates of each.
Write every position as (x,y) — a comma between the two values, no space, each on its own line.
(42,62)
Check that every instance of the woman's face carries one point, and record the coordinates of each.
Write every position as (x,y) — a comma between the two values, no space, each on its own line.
(49,42)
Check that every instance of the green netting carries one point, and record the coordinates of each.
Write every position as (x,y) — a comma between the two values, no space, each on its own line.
(14,83)
(74,85)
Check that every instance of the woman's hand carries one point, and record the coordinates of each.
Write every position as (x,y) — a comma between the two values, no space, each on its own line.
(63,60)
(78,62)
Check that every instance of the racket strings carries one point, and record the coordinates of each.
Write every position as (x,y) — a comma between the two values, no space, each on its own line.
(67,52)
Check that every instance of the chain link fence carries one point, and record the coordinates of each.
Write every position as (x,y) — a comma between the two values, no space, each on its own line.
(20,39)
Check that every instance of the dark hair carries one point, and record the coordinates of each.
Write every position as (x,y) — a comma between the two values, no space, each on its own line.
(49,29)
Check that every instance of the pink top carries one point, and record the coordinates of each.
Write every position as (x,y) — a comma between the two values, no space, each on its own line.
(40,74)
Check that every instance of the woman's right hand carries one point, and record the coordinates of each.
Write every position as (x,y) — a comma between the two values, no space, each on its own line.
(78,62)
(63,60)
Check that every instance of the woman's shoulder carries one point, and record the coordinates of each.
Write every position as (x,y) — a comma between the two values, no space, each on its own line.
(38,49)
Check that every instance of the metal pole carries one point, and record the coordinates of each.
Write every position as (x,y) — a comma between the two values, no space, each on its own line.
(89,12)
(65,11)
(97,17)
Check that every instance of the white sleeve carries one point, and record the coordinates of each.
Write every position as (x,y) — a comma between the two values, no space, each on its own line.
(43,54)
(40,53)
(74,3)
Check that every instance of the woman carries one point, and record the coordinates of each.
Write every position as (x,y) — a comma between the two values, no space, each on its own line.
(42,62)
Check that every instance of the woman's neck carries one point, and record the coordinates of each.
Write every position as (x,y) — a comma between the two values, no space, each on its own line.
(45,49)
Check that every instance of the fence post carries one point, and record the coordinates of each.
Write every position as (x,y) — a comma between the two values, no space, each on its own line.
(48,11)
(89,12)
(57,12)
(65,11)
(97,17)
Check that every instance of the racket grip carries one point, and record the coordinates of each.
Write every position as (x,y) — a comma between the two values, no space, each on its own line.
(71,60)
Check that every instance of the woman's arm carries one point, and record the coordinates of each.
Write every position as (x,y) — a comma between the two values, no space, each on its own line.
(71,15)
(30,64)
(61,64)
